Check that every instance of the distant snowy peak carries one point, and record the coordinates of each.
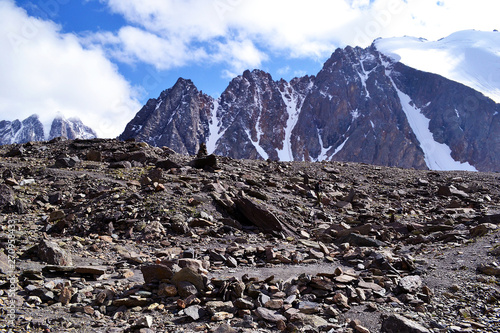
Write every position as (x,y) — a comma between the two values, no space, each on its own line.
(469,57)
(32,129)
(71,128)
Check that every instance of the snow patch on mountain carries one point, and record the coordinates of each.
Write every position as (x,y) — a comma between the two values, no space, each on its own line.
(293,106)
(214,127)
(437,155)
(257,146)
(469,57)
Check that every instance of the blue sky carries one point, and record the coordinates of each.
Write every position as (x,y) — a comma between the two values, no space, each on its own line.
(100,60)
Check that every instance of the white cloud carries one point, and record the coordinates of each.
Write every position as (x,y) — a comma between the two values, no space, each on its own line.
(293,27)
(45,72)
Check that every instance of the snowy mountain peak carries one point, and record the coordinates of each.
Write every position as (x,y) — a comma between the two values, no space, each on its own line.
(470,57)
(32,129)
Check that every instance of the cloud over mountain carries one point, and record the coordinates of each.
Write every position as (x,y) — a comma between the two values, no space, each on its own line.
(45,71)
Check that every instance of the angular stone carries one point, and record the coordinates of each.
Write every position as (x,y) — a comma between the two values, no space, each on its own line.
(94,155)
(131,302)
(482,229)
(186,289)
(316,254)
(195,265)
(489,270)
(369,285)
(65,296)
(231,262)
(167,165)
(156,272)
(120,165)
(53,254)
(399,324)
(189,275)
(242,303)
(144,322)
(67,162)
(5,267)
(195,312)
(219,306)
(361,240)
(307,319)
(225,328)
(82,309)
(411,284)
(203,162)
(269,315)
(274,304)
(344,278)
(91,270)
(260,216)
(341,300)
(220,316)
(308,307)
(168,290)
(7,196)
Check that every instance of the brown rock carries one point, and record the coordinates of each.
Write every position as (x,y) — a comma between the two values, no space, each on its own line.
(399,324)
(53,254)
(189,275)
(156,272)
(341,300)
(269,315)
(168,290)
(65,296)
(260,216)
(369,285)
(91,270)
(94,155)
(186,289)
(489,270)
(220,316)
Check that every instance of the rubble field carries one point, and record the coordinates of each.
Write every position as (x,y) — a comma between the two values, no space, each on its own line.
(113,236)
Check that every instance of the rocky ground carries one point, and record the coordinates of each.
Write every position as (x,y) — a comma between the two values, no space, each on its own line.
(116,236)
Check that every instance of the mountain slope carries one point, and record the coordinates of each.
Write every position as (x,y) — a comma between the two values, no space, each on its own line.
(469,57)
(362,106)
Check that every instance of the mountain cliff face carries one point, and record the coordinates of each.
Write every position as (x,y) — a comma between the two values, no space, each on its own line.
(31,129)
(361,107)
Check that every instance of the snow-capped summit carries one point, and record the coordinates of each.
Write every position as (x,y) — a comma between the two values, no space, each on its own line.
(469,57)
(32,129)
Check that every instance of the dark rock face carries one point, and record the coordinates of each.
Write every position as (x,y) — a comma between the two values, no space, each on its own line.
(353,113)
(178,119)
(31,129)
(361,107)
(460,117)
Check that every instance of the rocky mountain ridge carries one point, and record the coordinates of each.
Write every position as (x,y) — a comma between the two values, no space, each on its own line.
(361,107)
(119,237)
(32,129)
